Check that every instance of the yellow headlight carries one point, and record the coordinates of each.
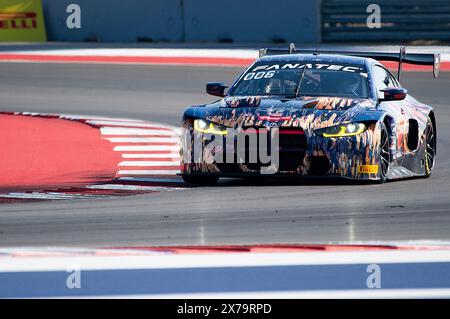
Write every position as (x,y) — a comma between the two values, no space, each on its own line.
(350,129)
(210,128)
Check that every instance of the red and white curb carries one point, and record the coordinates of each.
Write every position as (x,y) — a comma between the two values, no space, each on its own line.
(150,160)
(173,56)
(205,57)
(147,148)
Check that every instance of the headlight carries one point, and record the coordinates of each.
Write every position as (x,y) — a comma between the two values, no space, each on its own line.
(350,129)
(208,127)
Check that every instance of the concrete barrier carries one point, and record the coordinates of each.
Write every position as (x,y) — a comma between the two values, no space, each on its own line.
(115,20)
(185,21)
(252,21)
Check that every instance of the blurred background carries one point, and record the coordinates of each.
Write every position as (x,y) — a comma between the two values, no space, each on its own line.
(421,22)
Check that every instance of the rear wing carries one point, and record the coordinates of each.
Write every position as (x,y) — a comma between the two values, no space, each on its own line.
(401,57)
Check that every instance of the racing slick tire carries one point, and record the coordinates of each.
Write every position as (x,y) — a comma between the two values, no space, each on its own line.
(200,180)
(385,154)
(430,148)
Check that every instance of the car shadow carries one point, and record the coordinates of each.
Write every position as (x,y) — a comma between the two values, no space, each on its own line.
(300,181)
(304,181)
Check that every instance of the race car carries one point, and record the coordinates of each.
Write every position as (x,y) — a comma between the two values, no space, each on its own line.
(322,113)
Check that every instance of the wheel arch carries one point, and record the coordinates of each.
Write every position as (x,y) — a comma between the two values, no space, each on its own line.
(194,112)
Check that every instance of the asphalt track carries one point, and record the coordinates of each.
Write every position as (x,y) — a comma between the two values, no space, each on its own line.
(234,212)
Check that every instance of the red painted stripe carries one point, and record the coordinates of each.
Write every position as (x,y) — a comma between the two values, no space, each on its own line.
(147,143)
(239,62)
(292,132)
(162,159)
(165,152)
(150,168)
(274,118)
(128,59)
(139,136)
(276,248)
(16,15)
(281,132)
(87,191)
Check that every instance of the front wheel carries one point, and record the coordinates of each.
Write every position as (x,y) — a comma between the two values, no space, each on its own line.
(385,154)
(200,180)
(430,148)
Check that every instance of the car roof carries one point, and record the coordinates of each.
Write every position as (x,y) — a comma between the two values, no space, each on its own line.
(324,58)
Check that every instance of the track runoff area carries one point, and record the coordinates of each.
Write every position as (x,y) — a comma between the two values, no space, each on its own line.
(76,157)
(60,156)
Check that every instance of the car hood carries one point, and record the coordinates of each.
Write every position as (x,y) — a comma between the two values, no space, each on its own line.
(305,112)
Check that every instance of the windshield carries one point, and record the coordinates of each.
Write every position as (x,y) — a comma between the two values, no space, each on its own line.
(312,79)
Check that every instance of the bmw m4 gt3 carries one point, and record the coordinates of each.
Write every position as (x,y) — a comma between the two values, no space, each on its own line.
(341,114)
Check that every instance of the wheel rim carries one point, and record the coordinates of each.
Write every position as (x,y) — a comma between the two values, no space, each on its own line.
(385,155)
(430,148)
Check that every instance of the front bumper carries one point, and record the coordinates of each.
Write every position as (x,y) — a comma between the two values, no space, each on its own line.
(304,154)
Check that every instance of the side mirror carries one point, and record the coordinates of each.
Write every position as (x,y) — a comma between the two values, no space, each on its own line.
(216,89)
(394,94)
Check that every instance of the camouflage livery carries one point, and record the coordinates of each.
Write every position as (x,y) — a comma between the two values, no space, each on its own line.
(407,122)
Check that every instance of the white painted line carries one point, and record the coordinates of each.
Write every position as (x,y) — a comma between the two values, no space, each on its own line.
(61,251)
(148,163)
(50,195)
(132,187)
(176,180)
(37,114)
(149,172)
(93,118)
(311,294)
(107,130)
(87,117)
(425,243)
(133,124)
(167,139)
(174,261)
(174,148)
(178,131)
(146,52)
(175,156)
